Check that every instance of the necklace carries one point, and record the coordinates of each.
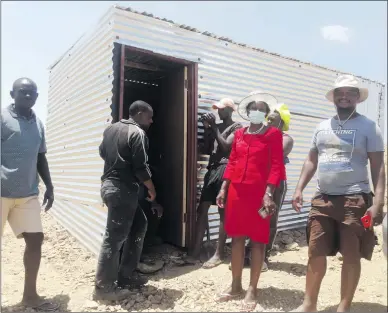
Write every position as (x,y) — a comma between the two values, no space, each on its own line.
(341,124)
(257,131)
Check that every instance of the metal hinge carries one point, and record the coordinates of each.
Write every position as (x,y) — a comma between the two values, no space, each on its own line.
(184,218)
(186,84)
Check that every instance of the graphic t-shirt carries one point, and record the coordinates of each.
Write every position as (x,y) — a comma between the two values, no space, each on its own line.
(343,154)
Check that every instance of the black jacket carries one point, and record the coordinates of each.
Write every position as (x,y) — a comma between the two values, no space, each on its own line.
(124,149)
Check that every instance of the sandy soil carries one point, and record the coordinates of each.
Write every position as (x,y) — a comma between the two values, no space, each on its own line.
(67,272)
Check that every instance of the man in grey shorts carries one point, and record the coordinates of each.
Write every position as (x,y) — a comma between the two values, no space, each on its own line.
(341,149)
(23,157)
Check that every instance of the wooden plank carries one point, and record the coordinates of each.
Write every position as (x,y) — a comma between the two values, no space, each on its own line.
(141,66)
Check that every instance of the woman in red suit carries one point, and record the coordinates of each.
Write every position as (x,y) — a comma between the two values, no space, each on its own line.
(254,170)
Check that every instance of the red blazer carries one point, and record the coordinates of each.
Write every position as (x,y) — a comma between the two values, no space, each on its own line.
(256,158)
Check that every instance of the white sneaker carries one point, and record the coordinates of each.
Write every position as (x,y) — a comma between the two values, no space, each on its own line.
(265,267)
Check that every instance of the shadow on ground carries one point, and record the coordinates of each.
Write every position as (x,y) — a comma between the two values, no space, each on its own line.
(281,299)
(361,307)
(62,300)
(174,260)
(294,268)
(152,297)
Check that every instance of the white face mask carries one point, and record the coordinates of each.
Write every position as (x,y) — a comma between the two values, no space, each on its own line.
(256,117)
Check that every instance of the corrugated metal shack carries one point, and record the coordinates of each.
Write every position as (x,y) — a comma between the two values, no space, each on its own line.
(138,52)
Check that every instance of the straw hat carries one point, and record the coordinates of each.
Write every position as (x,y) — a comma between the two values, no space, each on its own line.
(255,96)
(347,81)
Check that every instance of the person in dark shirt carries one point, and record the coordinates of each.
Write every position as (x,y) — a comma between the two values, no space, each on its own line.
(218,140)
(124,151)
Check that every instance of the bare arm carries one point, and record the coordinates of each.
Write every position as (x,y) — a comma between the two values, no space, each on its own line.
(44,171)
(221,198)
(288,144)
(225,185)
(225,144)
(377,169)
(375,150)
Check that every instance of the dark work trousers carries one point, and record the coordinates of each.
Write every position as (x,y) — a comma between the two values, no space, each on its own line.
(278,198)
(126,225)
(152,218)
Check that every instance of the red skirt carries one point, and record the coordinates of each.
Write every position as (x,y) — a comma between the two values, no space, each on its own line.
(241,216)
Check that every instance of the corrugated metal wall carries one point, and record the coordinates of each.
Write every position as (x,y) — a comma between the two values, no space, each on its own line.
(80,95)
(81,91)
(230,70)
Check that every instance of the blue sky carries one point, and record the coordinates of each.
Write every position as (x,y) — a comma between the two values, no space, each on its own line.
(347,36)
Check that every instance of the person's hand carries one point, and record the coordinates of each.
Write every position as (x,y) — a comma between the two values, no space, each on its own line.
(157,209)
(297,201)
(211,118)
(206,124)
(151,195)
(269,204)
(372,212)
(48,199)
(221,198)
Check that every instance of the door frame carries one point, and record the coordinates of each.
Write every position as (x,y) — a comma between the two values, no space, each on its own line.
(189,218)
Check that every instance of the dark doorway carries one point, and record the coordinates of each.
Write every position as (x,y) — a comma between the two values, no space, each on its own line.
(164,84)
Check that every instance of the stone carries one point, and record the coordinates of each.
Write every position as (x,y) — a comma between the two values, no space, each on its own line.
(89,304)
(139,298)
(287,239)
(170,293)
(156,299)
(130,304)
(146,304)
(297,233)
(292,247)
(207,282)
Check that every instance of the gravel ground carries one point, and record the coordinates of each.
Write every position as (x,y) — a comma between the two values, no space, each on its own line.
(67,272)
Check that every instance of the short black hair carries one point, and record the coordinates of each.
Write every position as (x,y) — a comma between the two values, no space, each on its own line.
(139,106)
(23,80)
(248,107)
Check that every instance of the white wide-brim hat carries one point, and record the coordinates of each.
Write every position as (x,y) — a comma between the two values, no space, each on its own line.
(347,81)
(255,96)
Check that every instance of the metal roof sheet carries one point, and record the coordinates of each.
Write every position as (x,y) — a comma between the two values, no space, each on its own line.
(209,34)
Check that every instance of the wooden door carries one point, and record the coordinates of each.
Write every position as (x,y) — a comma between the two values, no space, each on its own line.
(174,156)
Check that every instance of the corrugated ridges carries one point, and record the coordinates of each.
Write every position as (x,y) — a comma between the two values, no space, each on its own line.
(206,33)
